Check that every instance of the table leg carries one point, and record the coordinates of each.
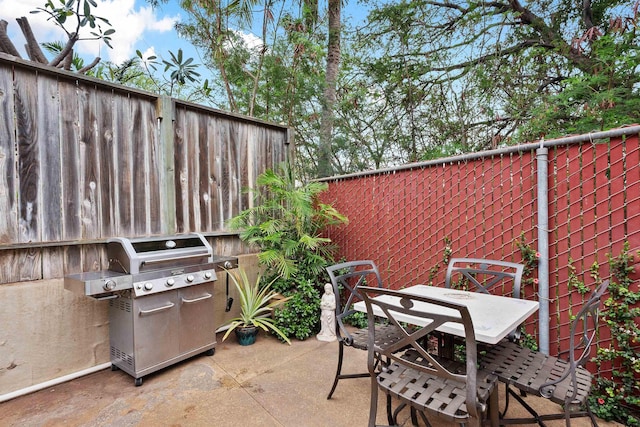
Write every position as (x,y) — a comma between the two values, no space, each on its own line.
(445,346)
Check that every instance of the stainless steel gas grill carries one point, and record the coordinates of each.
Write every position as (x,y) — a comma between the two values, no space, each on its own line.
(161,305)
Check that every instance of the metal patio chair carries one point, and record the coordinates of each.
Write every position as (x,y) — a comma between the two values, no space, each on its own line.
(347,278)
(430,386)
(565,382)
(482,275)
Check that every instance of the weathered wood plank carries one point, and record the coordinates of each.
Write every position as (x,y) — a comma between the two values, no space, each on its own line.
(140,189)
(155,169)
(69,141)
(123,126)
(203,176)
(106,154)
(28,158)
(232,167)
(20,265)
(48,122)
(193,171)
(52,263)
(180,156)
(90,175)
(215,165)
(9,217)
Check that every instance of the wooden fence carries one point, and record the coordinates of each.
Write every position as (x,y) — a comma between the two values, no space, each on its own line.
(82,160)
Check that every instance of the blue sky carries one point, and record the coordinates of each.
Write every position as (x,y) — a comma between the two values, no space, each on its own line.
(137,25)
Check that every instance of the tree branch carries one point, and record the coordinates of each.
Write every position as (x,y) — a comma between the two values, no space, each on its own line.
(33,48)
(68,49)
(6,45)
(89,66)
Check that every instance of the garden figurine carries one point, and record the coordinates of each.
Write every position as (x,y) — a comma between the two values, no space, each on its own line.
(328,315)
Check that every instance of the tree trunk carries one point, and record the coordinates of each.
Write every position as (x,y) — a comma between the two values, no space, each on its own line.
(333,63)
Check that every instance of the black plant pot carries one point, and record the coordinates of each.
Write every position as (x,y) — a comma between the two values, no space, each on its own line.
(246,335)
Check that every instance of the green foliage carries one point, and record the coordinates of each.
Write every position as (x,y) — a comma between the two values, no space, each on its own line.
(604,98)
(530,259)
(618,397)
(256,305)
(357,319)
(81,15)
(574,280)
(286,224)
(299,317)
(527,340)
(178,72)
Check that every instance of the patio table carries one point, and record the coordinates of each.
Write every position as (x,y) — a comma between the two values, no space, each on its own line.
(493,316)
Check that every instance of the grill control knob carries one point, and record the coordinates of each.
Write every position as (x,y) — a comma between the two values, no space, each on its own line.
(207,275)
(190,278)
(109,285)
(170,282)
(148,286)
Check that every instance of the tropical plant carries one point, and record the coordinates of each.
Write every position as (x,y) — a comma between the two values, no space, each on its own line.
(286,224)
(257,302)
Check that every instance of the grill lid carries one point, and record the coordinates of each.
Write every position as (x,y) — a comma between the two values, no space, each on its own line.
(135,256)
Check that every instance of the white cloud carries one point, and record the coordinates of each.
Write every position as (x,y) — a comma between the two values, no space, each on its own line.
(133,24)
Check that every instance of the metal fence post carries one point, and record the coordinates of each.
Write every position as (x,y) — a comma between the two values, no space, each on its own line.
(543,247)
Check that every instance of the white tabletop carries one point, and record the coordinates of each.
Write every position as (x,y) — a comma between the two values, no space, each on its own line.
(493,316)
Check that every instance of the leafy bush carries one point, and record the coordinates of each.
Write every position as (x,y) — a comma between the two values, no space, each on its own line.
(299,317)
(286,224)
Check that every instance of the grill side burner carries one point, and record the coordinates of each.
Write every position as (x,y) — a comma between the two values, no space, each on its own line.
(161,308)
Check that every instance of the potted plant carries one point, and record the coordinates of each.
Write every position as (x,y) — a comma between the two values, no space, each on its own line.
(256,305)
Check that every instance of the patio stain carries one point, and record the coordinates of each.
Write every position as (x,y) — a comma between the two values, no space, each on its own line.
(254,388)
(228,383)
(198,377)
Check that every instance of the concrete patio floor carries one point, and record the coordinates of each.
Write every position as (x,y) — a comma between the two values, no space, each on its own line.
(266,384)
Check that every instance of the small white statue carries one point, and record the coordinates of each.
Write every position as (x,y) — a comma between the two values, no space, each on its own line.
(328,315)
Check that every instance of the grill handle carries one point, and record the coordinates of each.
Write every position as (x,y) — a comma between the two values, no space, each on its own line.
(107,297)
(175,258)
(202,298)
(156,310)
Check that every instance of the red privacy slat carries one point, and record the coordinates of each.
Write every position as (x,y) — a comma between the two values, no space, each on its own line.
(402,220)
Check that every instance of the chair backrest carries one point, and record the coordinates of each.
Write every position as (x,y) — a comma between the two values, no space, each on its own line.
(583,331)
(482,275)
(347,278)
(389,303)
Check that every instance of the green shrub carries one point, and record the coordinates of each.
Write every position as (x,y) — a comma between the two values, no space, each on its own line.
(300,316)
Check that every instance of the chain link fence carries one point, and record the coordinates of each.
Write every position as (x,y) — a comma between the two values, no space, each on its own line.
(410,220)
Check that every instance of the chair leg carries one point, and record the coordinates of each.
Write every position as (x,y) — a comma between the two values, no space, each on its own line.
(414,417)
(536,417)
(506,401)
(335,381)
(340,375)
(373,409)
(390,415)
